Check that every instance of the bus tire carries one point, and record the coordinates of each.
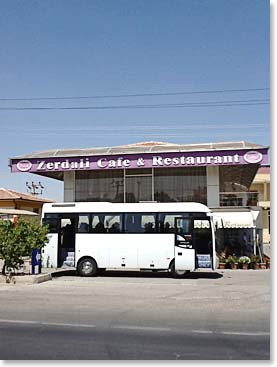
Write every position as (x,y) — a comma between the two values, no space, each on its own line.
(87,267)
(177,273)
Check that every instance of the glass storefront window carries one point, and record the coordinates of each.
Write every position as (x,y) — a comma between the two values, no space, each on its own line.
(138,188)
(178,184)
(99,186)
(234,185)
(167,185)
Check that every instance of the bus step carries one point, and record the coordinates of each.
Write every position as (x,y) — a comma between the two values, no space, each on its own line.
(69,258)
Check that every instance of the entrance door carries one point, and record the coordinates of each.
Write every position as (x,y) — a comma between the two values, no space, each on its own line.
(203,242)
(66,241)
(184,249)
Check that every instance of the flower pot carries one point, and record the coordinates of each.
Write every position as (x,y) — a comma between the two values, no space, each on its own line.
(244,266)
(221,265)
(234,265)
(256,266)
(268,264)
(262,265)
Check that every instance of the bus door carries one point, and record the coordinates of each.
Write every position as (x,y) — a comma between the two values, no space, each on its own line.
(203,242)
(184,246)
(50,251)
(66,241)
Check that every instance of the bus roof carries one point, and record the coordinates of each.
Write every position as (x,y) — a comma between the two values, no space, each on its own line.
(103,207)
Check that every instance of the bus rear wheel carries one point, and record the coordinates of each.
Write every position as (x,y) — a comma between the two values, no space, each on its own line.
(177,273)
(87,267)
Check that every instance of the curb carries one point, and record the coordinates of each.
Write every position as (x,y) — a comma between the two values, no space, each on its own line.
(42,278)
(27,279)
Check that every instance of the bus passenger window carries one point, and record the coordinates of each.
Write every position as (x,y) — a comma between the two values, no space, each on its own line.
(83,228)
(140,223)
(166,223)
(83,224)
(52,221)
(99,228)
(113,223)
(148,223)
(107,223)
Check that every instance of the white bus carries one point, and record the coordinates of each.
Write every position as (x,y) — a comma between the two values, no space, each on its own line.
(92,236)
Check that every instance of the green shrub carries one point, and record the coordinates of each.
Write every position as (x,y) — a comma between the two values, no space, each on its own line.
(18,240)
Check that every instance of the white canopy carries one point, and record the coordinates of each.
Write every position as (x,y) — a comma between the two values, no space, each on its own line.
(236,219)
(16,212)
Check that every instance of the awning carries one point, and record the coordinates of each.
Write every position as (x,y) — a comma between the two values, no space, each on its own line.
(16,212)
(237,219)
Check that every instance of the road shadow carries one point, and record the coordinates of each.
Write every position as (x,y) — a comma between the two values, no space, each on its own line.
(160,274)
(141,274)
(64,273)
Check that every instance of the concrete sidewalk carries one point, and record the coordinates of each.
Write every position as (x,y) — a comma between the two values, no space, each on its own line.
(50,273)
(46,274)
(25,279)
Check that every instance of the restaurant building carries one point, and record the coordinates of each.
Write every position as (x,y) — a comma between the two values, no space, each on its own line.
(218,175)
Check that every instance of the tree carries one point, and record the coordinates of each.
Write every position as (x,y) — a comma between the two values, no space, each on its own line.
(18,239)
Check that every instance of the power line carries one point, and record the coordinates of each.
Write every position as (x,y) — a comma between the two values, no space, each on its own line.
(136,95)
(150,135)
(195,126)
(249,102)
(122,125)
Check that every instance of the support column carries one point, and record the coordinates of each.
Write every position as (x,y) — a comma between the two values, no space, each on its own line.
(69,186)
(213,186)
(265,192)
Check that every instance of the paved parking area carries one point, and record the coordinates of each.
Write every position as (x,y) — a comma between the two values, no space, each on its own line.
(227,308)
(211,298)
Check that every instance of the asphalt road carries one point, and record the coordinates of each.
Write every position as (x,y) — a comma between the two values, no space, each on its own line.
(127,316)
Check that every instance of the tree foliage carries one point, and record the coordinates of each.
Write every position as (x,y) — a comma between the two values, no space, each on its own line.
(18,239)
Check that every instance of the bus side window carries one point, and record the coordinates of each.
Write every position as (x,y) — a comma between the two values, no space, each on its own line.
(83,223)
(98,224)
(166,223)
(140,223)
(148,223)
(84,228)
(107,223)
(113,223)
(52,223)
(131,223)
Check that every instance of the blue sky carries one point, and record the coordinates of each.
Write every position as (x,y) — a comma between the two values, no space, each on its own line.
(103,48)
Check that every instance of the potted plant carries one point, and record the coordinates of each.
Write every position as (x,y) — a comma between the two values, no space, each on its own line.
(222,260)
(244,261)
(267,261)
(232,261)
(255,262)
(262,263)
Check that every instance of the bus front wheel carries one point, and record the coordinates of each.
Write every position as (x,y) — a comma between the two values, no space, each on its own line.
(87,267)
(177,273)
